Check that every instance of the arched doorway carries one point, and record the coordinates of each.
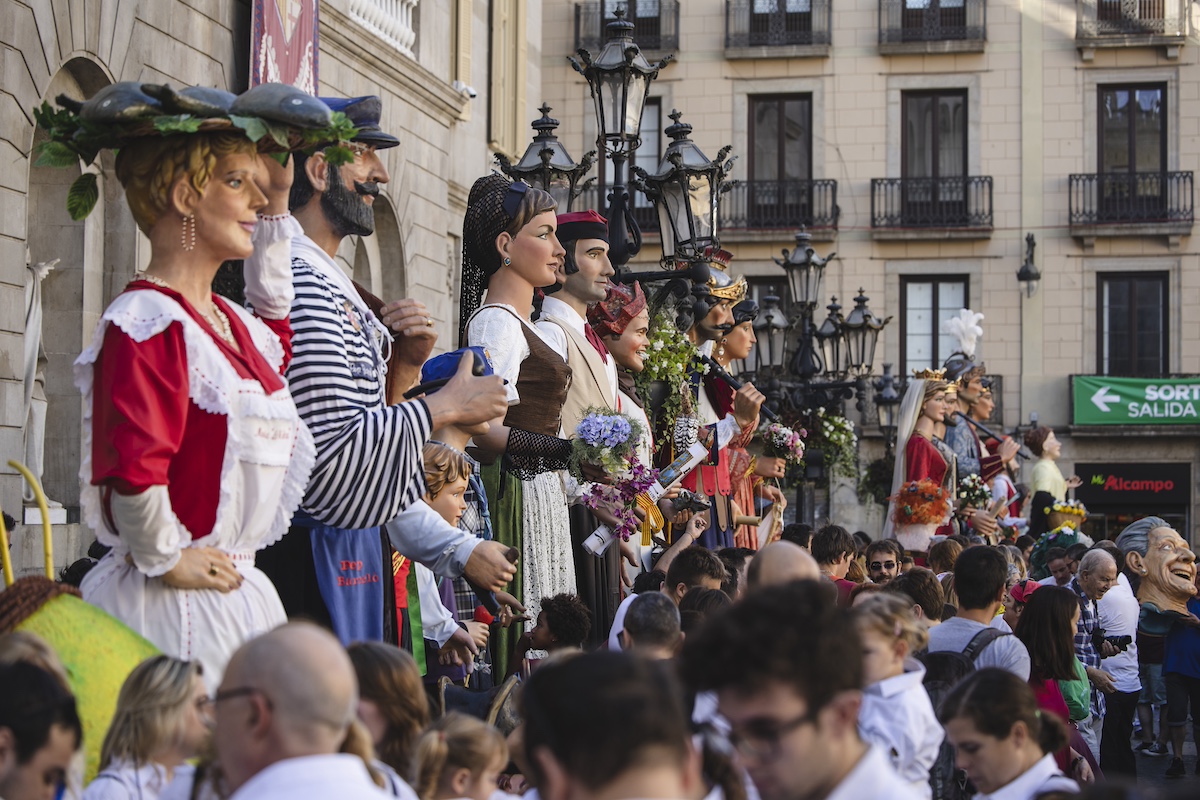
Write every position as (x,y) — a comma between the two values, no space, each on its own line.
(376,262)
(73,293)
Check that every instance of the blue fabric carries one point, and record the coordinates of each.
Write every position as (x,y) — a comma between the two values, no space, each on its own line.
(1181,651)
(446,364)
(715,538)
(351,577)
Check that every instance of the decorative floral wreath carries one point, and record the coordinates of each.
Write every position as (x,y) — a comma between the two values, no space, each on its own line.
(278,118)
(922,502)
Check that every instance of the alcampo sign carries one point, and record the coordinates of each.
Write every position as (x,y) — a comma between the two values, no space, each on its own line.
(1100,400)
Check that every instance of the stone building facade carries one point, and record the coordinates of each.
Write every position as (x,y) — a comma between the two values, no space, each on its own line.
(953,129)
(454,76)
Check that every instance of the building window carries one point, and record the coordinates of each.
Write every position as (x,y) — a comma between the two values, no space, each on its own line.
(767,16)
(1133,148)
(934,155)
(927,303)
(1132,324)
(506,87)
(780,159)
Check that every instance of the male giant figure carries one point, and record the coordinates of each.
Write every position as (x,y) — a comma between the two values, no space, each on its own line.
(331,566)
(583,278)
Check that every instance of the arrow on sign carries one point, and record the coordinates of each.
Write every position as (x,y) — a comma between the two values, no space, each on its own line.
(1102,398)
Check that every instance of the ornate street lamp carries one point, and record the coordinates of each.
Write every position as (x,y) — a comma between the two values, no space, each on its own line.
(804,269)
(887,404)
(686,190)
(547,165)
(832,338)
(862,329)
(769,330)
(1028,276)
(619,81)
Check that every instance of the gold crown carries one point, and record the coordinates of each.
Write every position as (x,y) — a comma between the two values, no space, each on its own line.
(735,291)
(930,374)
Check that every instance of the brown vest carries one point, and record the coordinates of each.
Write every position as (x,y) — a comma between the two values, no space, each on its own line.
(590,387)
(542,384)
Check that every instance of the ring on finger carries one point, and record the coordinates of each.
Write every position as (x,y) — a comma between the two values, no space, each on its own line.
(212,569)
(429,322)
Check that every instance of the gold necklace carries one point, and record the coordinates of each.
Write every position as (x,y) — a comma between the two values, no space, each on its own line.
(220,323)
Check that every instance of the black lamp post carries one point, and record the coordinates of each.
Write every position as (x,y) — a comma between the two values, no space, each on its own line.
(619,81)
(887,405)
(547,165)
(830,362)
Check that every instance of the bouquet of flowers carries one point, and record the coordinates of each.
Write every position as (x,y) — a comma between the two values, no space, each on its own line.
(922,502)
(780,441)
(972,491)
(605,438)
(622,497)
(669,358)
(1066,513)
(608,439)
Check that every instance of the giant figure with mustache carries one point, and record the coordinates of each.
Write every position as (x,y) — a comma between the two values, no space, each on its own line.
(354,357)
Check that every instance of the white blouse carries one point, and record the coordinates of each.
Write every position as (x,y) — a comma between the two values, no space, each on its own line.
(897,716)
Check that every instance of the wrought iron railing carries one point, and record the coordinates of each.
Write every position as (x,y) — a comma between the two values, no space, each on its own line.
(655,23)
(1096,19)
(951,202)
(1115,198)
(903,21)
(780,204)
(776,23)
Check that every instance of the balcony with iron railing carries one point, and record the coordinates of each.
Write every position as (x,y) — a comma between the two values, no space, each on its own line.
(752,207)
(1130,23)
(932,26)
(1131,204)
(955,207)
(776,28)
(655,24)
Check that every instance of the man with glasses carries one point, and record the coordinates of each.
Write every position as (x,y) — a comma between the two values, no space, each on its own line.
(1097,574)
(883,560)
(281,714)
(352,358)
(786,664)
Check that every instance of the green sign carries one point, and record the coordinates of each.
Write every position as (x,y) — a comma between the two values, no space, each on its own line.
(1135,401)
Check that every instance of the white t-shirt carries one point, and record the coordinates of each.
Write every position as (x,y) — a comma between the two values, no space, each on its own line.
(1007,652)
(897,716)
(1119,611)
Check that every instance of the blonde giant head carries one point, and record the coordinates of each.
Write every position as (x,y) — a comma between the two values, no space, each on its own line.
(149,168)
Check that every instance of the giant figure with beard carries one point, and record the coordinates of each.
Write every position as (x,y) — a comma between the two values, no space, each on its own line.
(354,357)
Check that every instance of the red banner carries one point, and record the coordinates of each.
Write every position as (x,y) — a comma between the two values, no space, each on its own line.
(284,43)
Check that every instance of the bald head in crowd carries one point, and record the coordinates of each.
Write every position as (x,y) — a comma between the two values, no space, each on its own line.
(289,693)
(781,562)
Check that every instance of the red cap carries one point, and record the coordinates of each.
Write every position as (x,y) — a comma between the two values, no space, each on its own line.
(577,225)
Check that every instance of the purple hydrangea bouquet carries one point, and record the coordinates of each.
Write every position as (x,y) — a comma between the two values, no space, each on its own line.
(609,440)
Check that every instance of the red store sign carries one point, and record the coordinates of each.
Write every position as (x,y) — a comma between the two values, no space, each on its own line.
(1126,484)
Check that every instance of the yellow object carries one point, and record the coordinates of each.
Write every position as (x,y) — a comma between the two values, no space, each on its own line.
(5,557)
(654,520)
(47,535)
(99,652)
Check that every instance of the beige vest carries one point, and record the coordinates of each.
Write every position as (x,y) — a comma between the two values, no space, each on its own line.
(589,386)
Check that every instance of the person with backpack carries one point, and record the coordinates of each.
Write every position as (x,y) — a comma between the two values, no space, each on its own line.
(1004,742)
(980,580)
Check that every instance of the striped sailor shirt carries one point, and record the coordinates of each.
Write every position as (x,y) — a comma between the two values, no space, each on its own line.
(369,464)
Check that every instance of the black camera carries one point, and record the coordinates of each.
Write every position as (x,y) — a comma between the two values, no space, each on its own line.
(1121,643)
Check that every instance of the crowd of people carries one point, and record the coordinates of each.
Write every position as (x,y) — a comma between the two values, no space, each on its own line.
(336,539)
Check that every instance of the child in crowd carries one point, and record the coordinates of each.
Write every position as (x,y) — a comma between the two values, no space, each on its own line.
(459,757)
(563,624)
(160,723)
(896,714)
(447,473)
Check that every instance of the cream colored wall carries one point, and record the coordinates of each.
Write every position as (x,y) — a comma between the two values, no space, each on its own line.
(1032,109)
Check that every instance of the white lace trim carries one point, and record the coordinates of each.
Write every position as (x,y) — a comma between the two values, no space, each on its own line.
(144,314)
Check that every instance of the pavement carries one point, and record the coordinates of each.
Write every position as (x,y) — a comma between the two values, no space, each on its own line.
(1151,769)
